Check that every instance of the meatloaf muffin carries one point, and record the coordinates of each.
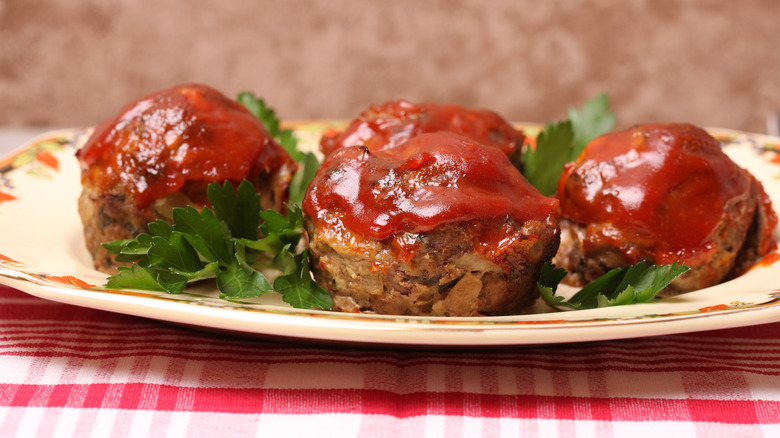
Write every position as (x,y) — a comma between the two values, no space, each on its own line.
(162,152)
(439,225)
(393,123)
(661,193)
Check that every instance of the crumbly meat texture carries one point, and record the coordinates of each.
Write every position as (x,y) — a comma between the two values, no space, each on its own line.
(446,276)
(735,247)
(108,216)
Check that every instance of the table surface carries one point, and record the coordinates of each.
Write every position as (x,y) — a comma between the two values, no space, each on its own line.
(72,371)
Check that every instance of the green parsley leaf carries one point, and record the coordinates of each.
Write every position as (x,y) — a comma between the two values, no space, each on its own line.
(174,253)
(548,282)
(561,142)
(621,286)
(222,244)
(160,228)
(289,143)
(544,164)
(172,282)
(238,283)
(116,246)
(239,209)
(296,285)
(138,277)
(210,270)
(130,250)
(307,167)
(259,109)
(594,119)
(287,229)
(207,234)
(308,163)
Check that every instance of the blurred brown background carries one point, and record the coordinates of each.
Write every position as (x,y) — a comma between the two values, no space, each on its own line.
(76,62)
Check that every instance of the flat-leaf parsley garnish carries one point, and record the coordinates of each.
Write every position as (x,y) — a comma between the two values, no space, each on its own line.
(222,243)
(620,286)
(308,163)
(561,142)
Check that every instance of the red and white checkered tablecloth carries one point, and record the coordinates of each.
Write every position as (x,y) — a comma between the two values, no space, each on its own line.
(70,371)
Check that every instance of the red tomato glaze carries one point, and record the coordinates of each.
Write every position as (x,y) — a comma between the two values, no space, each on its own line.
(430,180)
(393,123)
(186,136)
(660,186)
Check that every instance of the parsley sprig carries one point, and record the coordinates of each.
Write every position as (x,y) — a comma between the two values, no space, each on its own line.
(308,163)
(621,286)
(561,142)
(595,118)
(222,243)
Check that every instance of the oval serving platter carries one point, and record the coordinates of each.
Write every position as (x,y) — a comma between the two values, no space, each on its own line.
(42,253)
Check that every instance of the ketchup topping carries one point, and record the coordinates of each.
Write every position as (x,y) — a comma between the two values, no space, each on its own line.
(430,180)
(188,135)
(661,186)
(393,123)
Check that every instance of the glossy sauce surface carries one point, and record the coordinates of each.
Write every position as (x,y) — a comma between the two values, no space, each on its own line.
(178,139)
(662,186)
(390,124)
(430,180)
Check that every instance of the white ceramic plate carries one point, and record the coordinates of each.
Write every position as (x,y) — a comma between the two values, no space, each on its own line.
(42,253)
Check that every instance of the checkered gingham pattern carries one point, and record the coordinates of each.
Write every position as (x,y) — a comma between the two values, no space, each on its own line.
(67,371)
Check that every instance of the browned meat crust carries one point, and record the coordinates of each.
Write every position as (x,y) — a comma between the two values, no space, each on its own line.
(109,216)
(446,276)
